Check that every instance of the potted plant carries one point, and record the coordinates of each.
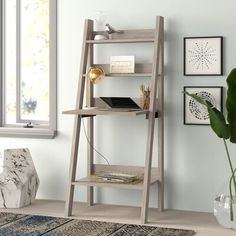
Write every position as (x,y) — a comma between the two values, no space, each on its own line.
(225,203)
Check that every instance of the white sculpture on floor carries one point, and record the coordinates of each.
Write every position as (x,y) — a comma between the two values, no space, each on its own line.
(19,181)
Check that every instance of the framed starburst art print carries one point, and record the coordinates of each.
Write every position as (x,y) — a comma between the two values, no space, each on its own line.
(196,113)
(203,55)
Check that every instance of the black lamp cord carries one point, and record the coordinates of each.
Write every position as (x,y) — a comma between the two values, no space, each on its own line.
(89,142)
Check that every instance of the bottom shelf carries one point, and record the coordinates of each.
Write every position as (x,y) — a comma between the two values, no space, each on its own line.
(88,181)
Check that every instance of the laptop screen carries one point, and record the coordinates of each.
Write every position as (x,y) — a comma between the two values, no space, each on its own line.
(120,102)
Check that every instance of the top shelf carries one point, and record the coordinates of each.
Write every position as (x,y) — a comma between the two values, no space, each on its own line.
(109,41)
(126,36)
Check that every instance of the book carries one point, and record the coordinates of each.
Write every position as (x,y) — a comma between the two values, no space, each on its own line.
(113,177)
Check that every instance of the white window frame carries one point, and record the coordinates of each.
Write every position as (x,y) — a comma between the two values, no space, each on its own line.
(43,130)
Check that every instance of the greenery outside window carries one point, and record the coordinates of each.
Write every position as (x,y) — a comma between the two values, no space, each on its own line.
(28,68)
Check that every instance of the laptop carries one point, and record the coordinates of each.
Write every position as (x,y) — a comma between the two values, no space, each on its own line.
(125,103)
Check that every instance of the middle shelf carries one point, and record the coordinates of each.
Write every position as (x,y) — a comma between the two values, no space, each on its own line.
(141,70)
(93,111)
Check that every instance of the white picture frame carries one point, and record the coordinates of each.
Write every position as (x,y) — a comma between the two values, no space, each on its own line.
(196,113)
(122,64)
(203,56)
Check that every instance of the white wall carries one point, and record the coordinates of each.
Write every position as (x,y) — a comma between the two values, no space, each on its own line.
(195,161)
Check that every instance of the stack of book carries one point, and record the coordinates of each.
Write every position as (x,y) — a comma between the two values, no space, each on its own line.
(112,177)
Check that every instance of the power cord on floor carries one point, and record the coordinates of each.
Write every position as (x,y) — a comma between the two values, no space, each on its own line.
(89,142)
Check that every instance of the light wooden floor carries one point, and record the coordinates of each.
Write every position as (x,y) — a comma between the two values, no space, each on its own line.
(202,223)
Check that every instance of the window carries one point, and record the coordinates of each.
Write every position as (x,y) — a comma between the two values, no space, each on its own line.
(28,69)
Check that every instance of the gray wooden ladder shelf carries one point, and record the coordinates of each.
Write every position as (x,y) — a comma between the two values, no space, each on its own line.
(152,175)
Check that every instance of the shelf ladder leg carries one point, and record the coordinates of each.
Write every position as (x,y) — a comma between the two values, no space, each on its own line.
(160,144)
(90,189)
(88,29)
(73,165)
(90,130)
(147,170)
(151,119)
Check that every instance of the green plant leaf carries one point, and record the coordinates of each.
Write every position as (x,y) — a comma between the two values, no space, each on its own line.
(197,98)
(218,123)
(231,104)
(217,119)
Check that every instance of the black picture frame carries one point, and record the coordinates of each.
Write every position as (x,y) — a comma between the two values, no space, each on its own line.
(195,54)
(196,89)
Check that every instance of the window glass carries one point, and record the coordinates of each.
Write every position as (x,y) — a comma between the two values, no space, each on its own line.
(10,61)
(34,77)
(26,61)
(28,30)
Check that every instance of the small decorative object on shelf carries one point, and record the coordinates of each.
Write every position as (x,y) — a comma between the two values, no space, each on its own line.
(110,30)
(95,74)
(122,64)
(145,97)
(203,55)
(100,20)
(225,202)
